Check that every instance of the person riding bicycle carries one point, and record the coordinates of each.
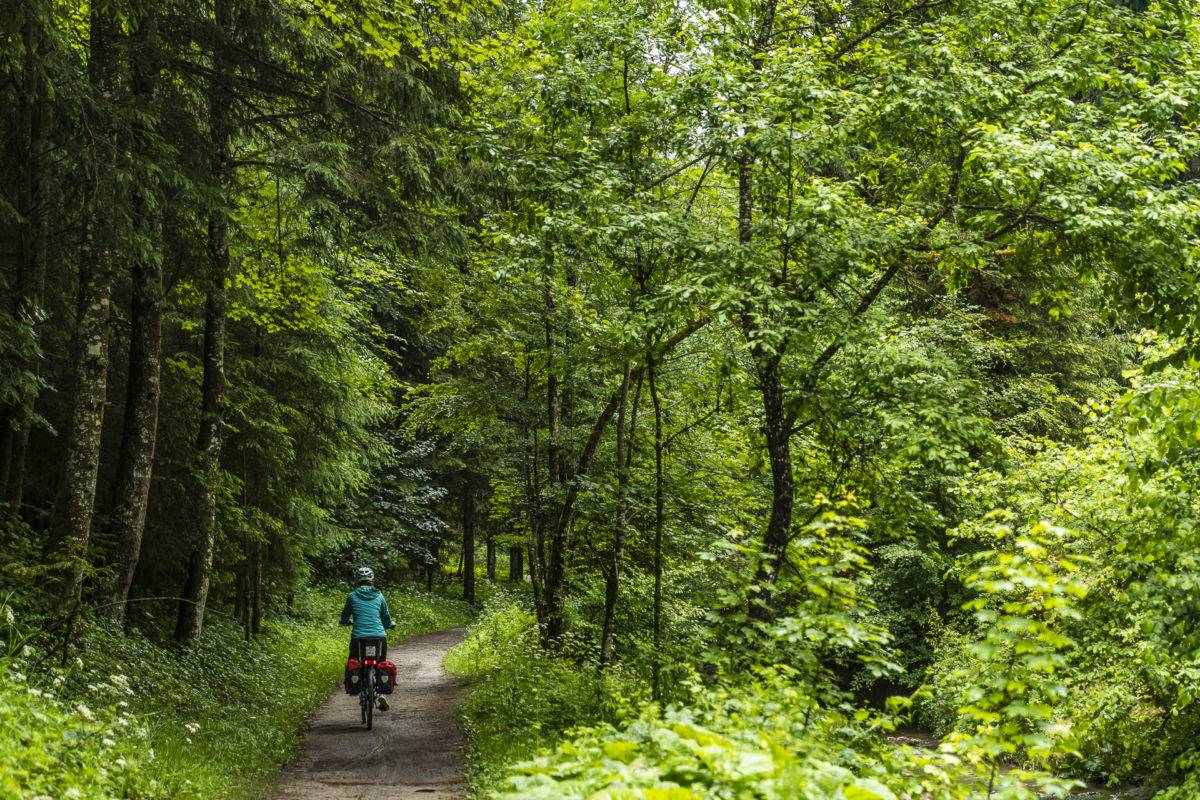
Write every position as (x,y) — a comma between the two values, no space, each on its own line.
(367,610)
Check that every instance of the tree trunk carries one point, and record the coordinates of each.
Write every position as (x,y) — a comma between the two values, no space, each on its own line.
(535,515)
(429,567)
(468,541)
(241,590)
(191,611)
(135,462)
(34,206)
(779,451)
(72,515)
(778,427)
(256,587)
(491,558)
(552,586)
(516,569)
(612,582)
(656,687)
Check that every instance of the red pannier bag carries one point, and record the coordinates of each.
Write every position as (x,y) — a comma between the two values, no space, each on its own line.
(353,676)
(387,677)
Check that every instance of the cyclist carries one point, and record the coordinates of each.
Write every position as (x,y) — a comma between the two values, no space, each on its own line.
(367,610)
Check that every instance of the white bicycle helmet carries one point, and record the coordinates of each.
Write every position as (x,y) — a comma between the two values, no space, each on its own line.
(365,574)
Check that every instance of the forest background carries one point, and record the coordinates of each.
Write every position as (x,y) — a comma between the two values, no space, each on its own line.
(807,369)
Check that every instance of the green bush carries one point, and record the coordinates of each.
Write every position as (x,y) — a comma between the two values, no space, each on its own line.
(760,739)
(522,697)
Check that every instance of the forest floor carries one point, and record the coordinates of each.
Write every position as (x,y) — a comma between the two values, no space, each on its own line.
(414,751)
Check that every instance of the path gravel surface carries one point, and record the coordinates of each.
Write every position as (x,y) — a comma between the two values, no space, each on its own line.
(414,749)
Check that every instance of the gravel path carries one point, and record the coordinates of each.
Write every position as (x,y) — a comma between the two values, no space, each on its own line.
(414,749)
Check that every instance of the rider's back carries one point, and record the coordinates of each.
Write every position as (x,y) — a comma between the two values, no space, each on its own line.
(369,612)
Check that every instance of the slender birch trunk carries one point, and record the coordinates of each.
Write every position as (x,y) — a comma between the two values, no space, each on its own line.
(72,515)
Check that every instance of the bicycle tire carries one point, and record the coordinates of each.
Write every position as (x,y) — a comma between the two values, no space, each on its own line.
(362,705)
(370,707)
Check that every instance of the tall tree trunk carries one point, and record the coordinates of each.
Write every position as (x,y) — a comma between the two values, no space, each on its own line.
(195,598)
(612,582)
(241,589)
(256,586)
(778,426)
(656,685)
(468,540)
(135,461)
(72,515)
(516,569)
(552,586)
(491,557)
(779,452)
(430,566)
(34,206)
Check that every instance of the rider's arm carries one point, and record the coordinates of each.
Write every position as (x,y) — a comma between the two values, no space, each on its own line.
(347,612)
(384,616)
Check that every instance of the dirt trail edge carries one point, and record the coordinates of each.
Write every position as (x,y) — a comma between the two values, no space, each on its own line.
(414,750)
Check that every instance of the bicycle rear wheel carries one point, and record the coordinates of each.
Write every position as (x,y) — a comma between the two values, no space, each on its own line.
(371,691)
(370,709)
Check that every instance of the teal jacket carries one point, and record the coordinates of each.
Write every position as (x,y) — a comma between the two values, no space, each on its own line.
(369,611)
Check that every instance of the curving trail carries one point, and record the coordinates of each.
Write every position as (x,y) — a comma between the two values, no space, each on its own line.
(414,750)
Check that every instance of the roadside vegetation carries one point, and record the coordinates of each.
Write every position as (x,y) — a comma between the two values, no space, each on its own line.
(130,716)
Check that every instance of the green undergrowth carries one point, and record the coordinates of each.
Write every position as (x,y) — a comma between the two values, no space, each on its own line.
(132,719)
(548,725)
(522,698)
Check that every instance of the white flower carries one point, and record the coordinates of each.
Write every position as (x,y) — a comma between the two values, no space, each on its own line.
(85,712)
